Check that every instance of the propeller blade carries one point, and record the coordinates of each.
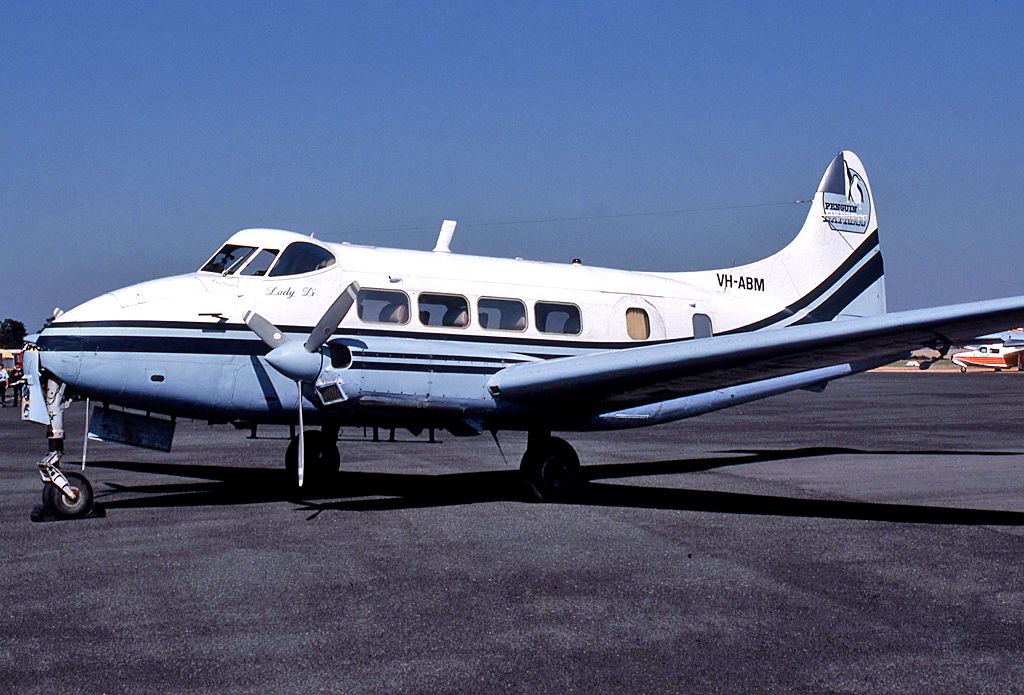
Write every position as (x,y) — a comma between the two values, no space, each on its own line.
(302,438)
(331,318)
(268,332)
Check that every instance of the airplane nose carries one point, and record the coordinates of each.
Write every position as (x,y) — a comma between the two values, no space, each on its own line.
(61,355)
(61,342)
(98,308)
(156,290)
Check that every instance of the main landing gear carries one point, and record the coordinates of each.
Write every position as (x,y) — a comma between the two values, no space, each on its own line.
(322,460)
(551,466)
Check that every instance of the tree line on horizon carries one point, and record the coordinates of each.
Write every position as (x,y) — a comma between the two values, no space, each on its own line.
(12,334)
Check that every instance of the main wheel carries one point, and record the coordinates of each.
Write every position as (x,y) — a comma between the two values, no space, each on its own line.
(323,460)
(553,468)
(63,508)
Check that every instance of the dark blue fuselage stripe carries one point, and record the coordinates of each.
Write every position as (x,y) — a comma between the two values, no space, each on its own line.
(414,367)
(148,343)
(221,346)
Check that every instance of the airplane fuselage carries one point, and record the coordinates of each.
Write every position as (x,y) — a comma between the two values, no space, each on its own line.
(179,345)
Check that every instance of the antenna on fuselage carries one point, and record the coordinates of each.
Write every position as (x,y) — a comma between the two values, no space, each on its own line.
(444,237)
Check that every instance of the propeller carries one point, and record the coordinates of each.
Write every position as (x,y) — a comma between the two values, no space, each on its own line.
(301,362)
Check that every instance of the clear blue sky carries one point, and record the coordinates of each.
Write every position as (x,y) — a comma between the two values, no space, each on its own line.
(135,137)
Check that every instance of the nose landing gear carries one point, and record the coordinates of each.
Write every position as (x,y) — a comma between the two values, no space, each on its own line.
(65,495)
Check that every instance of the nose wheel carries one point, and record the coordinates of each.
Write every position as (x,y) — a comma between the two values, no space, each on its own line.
(65,508)
(58,506)
(552,467)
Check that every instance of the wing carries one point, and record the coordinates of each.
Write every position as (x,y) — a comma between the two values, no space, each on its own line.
(629,377)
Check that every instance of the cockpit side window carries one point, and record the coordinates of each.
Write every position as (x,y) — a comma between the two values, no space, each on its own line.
(259,265)
(228,259)
(301,257)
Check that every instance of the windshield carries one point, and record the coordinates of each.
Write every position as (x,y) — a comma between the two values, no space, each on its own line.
(229,258)
(261,263)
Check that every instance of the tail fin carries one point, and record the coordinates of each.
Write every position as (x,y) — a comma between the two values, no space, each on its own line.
(832,269)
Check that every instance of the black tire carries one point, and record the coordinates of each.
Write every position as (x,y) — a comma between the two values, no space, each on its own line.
(963,370)
(61,507)
(553,469)
(323,460)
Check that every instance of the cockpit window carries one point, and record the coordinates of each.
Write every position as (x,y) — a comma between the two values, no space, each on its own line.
(261,263)
(301,257)
(228,259)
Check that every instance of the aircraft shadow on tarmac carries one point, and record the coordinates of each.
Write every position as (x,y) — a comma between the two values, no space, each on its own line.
(360,491)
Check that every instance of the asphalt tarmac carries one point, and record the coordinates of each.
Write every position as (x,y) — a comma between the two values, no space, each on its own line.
(868,539)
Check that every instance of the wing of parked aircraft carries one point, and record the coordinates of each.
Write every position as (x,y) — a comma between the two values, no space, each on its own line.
(631,377)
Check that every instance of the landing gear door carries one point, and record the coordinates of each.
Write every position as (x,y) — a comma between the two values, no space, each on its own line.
(33,406)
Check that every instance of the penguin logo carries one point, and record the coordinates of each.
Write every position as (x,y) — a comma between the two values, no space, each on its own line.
(856,189)
(849,212)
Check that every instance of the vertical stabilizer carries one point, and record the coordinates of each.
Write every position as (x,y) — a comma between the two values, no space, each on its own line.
(831,270)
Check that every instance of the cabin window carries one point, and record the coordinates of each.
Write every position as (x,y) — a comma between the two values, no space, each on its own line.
(501,314)
(702,327)
(444,310)
(259,265)
(301,257)
(557,318)
(984,349)
(383,306)
(994,351)
(228,259)
(638,323)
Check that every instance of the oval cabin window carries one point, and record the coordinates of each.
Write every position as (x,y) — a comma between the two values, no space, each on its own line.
(498,314)
(552,317)
(444,310)
(382,306)
(638,324)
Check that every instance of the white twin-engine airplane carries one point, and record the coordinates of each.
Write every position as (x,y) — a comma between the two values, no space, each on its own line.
(264,332)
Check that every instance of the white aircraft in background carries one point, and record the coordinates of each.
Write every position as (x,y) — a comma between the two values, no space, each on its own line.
(1008,353)
(264,332)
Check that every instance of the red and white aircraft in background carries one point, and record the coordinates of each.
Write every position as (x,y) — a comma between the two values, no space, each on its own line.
(1008,353)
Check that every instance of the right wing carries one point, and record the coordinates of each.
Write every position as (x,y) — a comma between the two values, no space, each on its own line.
(630,377)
